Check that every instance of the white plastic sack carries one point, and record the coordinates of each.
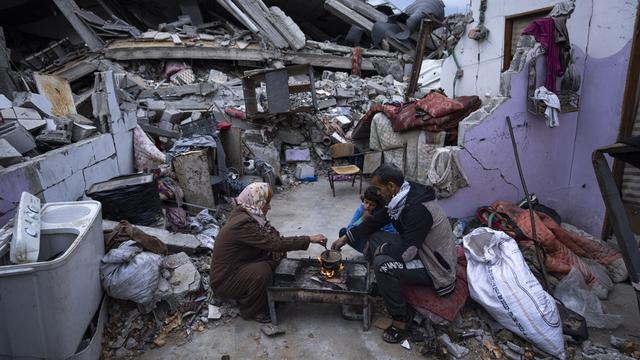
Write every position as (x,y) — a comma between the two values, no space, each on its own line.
(128,273)
(574,294)
(500,281)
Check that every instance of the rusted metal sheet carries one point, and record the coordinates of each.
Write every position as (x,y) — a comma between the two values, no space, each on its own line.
(58,92)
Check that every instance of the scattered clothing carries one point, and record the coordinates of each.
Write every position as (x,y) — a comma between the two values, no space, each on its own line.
(550,99)
(543,30)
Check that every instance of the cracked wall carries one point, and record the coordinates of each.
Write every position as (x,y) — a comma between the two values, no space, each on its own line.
(66,173)
(556,162)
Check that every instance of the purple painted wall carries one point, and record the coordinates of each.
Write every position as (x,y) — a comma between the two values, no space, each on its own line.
(556,162)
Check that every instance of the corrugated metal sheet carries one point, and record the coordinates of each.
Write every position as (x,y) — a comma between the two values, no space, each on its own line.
(631,177)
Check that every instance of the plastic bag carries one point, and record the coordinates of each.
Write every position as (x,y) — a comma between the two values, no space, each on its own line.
(574,294)
(128,273)
(500,280)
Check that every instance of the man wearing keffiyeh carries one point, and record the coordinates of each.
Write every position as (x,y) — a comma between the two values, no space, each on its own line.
(422,253)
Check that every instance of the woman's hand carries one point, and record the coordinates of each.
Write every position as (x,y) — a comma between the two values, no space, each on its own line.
(338,244)
(318,239)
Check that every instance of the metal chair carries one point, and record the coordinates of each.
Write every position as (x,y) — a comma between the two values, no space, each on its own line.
(341,152)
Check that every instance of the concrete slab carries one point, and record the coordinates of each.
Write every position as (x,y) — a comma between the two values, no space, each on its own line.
(176,242)
(101,171)
(103,146)
(33,101)
(8,154)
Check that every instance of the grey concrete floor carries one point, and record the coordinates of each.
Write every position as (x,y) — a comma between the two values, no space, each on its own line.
(318,331)
(313,331)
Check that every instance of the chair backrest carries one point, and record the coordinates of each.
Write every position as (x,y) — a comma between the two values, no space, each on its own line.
(338,151)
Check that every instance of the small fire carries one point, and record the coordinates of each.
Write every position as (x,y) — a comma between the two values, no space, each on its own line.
(341,267)
(327,273)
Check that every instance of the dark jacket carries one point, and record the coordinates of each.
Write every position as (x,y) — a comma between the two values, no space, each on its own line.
(424,231)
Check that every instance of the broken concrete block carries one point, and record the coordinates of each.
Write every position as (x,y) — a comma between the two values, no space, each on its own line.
(173,116)
(185,279)
(183,77)
(271,330)
(4,102)
(176,242)
(328,75)
(33,125)
(290,136)
(173,261)
(20,113)
(17,136)
(326,103)
(454,349)
(297,154)
(342,120)
(8,154)
(80,119)
(217,77)
(337,138)
(33,101)
(378,88)
(81,131)
(156,105)
(214,312)
(304,171)
(345,93)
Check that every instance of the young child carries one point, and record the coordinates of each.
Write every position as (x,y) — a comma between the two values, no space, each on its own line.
(372,202)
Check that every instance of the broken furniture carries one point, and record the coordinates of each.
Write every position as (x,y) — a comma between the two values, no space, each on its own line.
(629,152)
(134,198)
(278,90)
(300,280)
(46,306)
(340,152)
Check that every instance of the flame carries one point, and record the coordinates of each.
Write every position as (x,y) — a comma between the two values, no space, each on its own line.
(341,267)
(327,273)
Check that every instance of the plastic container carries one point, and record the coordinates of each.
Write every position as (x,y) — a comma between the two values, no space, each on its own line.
(46,306)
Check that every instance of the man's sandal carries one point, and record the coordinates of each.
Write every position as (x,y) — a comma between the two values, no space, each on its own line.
(394,335)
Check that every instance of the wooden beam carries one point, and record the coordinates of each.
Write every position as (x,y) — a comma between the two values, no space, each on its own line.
(137,50)
(260,15)
(68,8)
(348,15)
(425,30)
(333,47)
(365,10)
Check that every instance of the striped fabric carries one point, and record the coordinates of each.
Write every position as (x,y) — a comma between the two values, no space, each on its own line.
(631,177)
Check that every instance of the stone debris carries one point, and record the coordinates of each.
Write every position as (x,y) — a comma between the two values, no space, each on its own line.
(272,330)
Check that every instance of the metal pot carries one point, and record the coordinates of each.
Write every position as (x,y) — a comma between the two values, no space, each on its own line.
(331,260)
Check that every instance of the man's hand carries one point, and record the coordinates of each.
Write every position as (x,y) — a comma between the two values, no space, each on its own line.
(318,239)
(338,244)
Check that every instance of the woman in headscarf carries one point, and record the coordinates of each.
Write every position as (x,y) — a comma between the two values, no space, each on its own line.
(247,251)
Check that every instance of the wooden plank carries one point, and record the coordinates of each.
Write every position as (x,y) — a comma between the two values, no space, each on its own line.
(333,47)
(194,175)
(58,92)
(347,15)
(365,10)
(131,50)
(255,9)
(425,30)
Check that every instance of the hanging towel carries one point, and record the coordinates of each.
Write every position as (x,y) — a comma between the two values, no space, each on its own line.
(553,105)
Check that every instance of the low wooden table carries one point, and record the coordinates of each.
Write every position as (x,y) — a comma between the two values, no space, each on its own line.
(299,280)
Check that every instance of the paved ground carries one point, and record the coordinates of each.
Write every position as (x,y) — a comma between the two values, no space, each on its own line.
(313,331)
(317,331)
